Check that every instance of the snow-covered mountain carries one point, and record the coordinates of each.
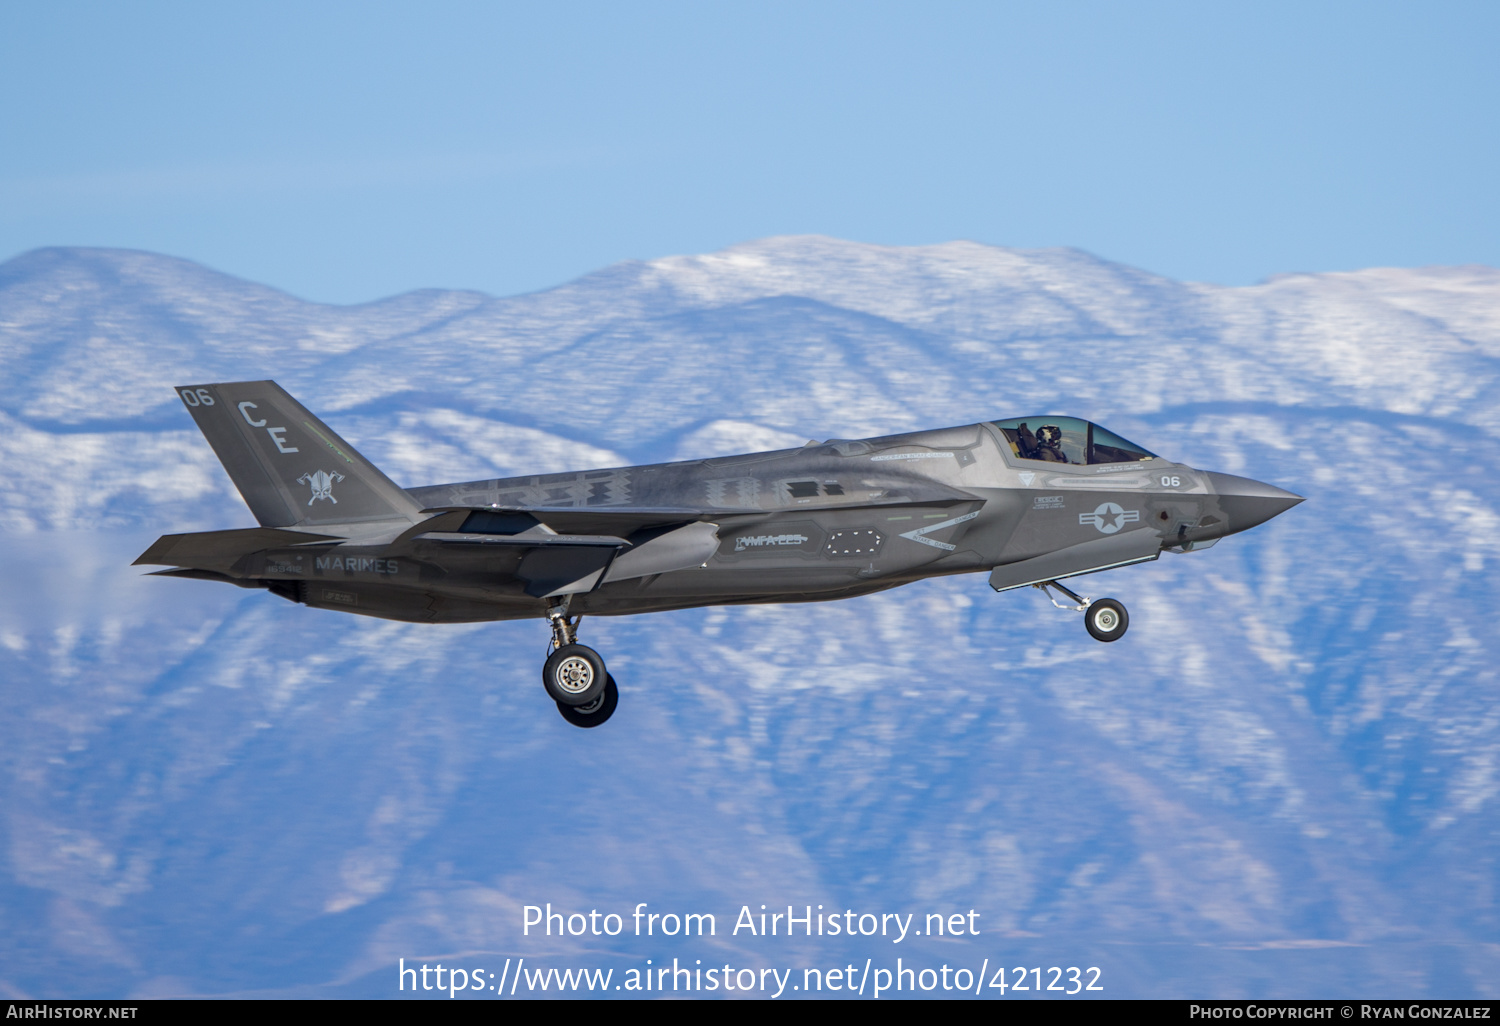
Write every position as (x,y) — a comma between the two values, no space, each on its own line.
(1283,781)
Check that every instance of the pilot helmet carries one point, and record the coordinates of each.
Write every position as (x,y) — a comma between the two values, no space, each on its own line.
(1049,435)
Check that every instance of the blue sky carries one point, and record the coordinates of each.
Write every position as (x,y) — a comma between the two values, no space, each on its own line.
(349,151)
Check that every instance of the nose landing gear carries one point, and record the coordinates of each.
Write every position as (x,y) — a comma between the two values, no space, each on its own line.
(575,675)
(1105,619)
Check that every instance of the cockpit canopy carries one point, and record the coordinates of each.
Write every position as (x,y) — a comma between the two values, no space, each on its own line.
(1068,440)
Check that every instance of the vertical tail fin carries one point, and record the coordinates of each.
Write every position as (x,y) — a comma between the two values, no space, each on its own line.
(291,469)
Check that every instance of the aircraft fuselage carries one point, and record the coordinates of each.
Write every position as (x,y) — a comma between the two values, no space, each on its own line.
(825,521)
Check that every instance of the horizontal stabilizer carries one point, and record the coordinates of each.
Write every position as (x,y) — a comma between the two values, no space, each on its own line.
(194,574)
(1138,546)
(222,549)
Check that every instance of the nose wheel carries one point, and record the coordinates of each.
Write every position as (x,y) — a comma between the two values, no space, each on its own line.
(575,676)
(1105,619)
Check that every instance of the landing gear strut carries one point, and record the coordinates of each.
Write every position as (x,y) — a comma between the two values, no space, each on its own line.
(575,676)
(1105,619)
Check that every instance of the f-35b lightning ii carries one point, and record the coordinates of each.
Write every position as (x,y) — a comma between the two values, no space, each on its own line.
(1032,501)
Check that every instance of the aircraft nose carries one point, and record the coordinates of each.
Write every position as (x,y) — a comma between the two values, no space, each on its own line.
(1247,502)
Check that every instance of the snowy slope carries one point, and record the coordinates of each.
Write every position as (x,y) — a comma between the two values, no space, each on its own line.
(1284,780)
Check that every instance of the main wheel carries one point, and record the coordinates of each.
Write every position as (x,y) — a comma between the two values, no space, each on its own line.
(597,711)
(1106,619)
(574,675)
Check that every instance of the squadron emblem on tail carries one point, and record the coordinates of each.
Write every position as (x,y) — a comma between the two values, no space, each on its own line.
(321,482)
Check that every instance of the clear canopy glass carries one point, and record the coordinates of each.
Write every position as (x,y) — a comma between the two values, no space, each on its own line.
(1068,440)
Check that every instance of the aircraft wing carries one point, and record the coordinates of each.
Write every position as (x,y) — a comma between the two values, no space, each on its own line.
(625,521)
(210,550)
(512,521)
(650,541)
(577,549)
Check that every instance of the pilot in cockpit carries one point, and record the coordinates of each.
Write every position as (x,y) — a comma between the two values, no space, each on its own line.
(1045,445)
(1068,440)
(1049,444)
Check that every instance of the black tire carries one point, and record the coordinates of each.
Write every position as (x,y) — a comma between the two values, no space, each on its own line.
(593,714)
(1106,619)
(574,675)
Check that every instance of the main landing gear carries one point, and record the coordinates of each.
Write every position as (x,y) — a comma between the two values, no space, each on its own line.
(1105,619)
(575,676)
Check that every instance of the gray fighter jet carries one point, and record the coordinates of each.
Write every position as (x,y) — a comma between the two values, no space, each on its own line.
(1032,501)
